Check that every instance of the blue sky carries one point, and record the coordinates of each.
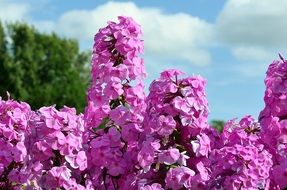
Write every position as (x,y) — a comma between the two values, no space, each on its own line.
(228,42)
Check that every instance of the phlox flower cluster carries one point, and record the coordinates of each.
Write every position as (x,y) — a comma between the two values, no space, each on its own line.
(56,148)
(174,124)
(128,141)
(240,161)
(273,120)
(14,127)
(116,103)
(42,149)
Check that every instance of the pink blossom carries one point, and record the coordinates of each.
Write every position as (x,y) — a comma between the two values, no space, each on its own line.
(178,177)
(169,156)
(154,186)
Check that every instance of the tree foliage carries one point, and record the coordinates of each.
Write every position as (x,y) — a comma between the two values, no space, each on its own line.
(217,124)
(42,69)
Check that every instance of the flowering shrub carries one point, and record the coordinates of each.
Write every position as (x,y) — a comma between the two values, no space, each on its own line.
(14,129)
(55,145)
(126,140)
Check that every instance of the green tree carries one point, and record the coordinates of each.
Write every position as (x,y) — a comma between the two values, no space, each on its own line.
(4,61)
(217,124)
(43,69)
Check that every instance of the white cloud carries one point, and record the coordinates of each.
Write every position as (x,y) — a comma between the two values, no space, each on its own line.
(246,53)
(252,28)
(12,11)
(44,25)
(171,36)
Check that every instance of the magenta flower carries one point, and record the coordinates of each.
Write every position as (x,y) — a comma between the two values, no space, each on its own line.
(179,177)
(154,186)
(169,156)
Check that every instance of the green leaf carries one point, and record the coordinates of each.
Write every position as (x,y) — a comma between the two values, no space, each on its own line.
(104,123)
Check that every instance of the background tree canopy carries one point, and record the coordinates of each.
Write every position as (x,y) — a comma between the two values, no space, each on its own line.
(42,69)
(217,124)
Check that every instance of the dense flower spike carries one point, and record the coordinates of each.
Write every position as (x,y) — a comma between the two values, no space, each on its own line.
(128,141)
(273,120)
(115,103)
(115,64)
(276,90)
(174,125)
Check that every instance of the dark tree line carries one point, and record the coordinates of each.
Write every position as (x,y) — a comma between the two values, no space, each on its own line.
(217,124)
(42,69)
